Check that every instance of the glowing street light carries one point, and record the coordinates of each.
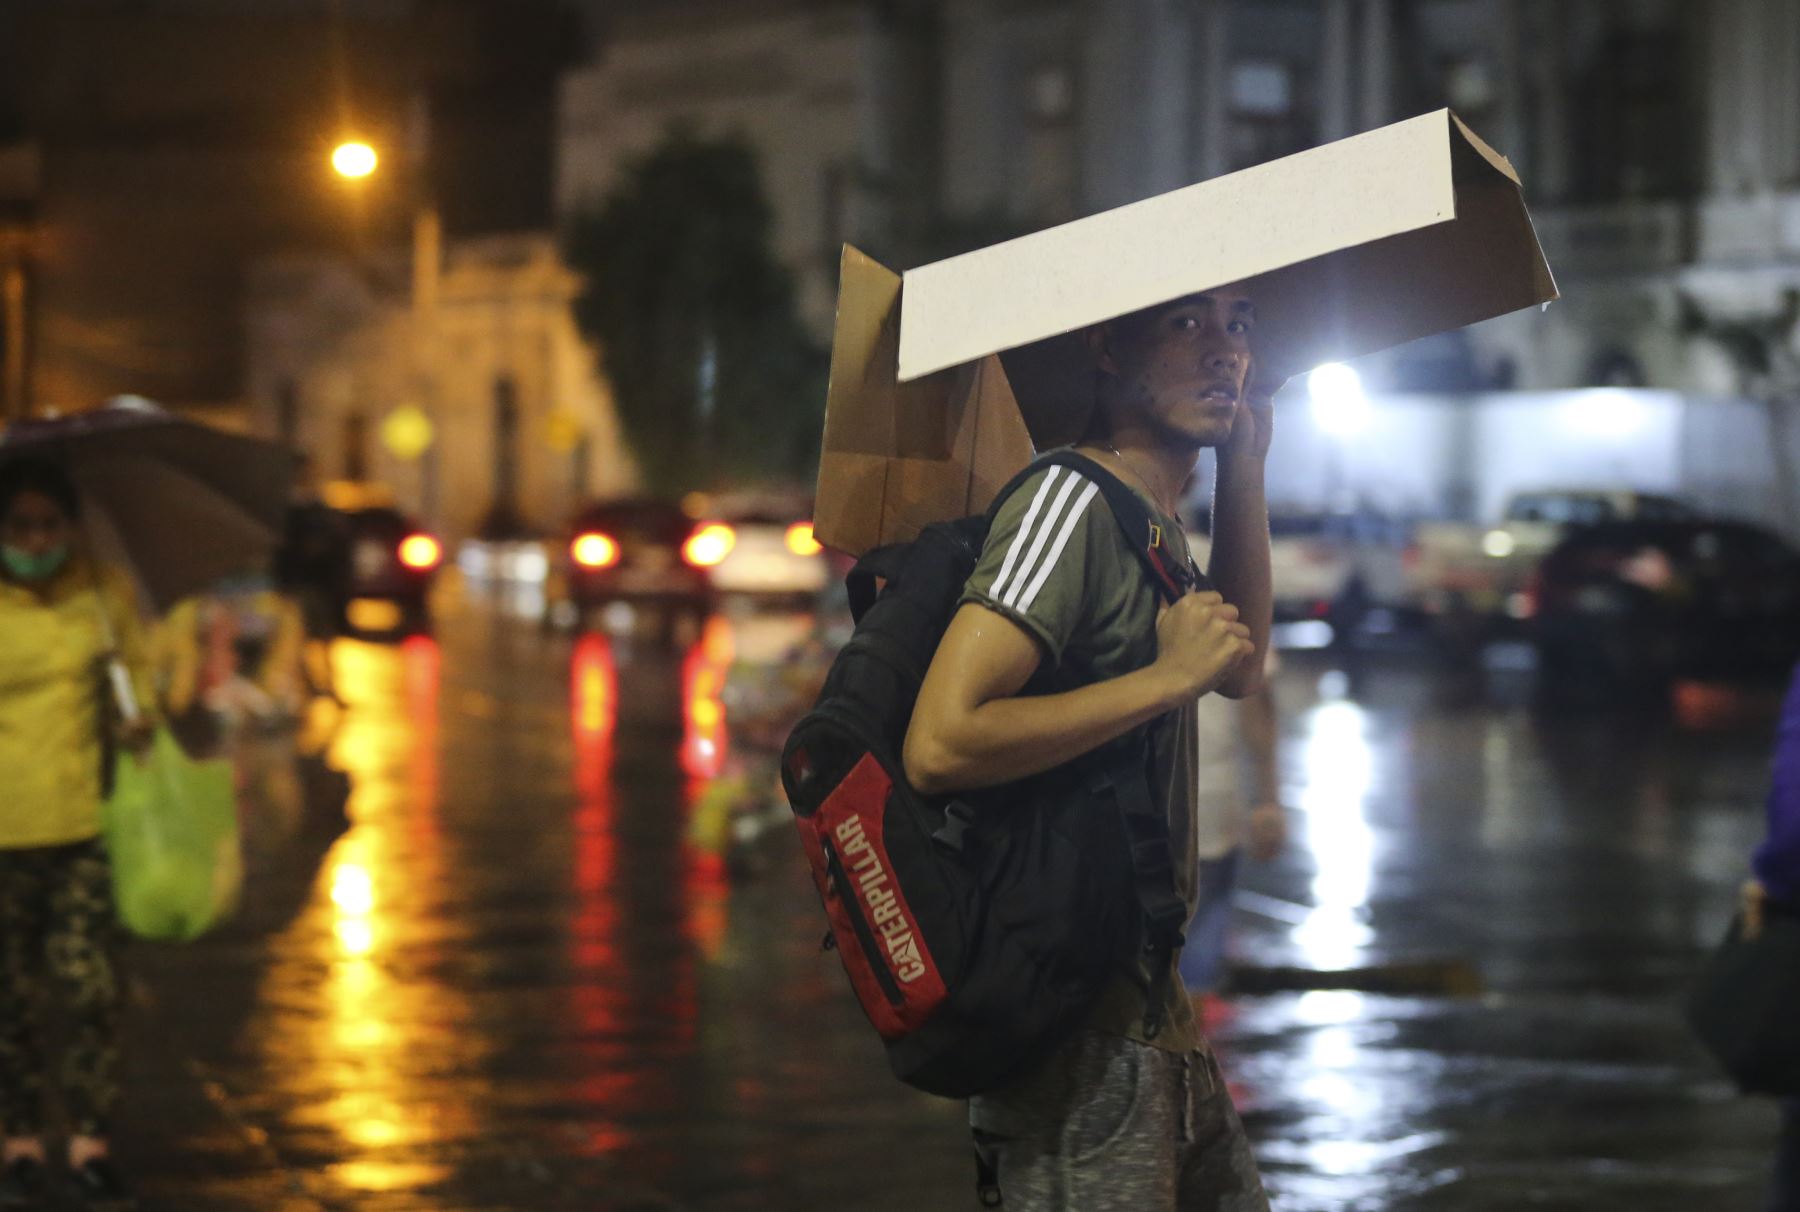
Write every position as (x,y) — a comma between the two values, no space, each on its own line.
(1339,406)
(354,160)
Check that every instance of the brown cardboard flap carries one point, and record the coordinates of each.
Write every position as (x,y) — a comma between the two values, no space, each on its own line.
(897,457)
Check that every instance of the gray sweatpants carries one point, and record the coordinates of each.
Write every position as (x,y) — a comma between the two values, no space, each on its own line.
(1110,1125)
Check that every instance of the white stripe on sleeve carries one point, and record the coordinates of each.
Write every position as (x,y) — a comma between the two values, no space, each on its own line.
(1022,538)
(1045,527)
(1062,540)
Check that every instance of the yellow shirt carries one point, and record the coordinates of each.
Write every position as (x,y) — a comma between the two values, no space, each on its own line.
(52,654)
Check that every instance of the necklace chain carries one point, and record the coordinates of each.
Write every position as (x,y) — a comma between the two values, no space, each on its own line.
(1136,475)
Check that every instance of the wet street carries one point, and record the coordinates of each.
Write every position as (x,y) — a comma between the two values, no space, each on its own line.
(530,977)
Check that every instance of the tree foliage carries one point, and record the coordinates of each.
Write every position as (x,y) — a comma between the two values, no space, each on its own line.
(688,304)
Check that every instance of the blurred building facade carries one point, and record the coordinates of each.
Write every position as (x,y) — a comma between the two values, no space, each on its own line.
(1659,143)
(1659,139)
(468,393)
(809,86)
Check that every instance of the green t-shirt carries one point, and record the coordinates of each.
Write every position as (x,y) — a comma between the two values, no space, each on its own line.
(1057,563)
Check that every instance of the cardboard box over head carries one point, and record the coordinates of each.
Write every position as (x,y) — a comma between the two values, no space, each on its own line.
(943,382)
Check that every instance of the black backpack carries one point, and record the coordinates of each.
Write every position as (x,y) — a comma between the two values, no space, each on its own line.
(978,929)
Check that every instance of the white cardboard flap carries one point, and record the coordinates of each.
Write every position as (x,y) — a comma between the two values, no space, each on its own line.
(1362,244)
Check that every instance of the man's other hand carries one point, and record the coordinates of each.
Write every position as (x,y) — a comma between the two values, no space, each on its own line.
(1268,832)
(1754,895)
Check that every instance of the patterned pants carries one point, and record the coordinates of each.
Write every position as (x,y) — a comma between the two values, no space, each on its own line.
(1108,1125)
(58,934)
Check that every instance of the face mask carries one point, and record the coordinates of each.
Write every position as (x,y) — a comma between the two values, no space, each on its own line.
(31,568)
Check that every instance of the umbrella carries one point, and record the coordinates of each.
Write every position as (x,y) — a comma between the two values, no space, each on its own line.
(179,504)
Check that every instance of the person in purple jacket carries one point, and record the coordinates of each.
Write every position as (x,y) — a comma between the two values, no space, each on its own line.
(1776,888)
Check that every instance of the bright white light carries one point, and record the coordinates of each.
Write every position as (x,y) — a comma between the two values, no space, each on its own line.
(1605,412)
(1498,544)
(1338,765)
(1339,406)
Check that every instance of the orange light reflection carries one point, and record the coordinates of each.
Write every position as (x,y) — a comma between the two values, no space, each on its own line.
(705,739)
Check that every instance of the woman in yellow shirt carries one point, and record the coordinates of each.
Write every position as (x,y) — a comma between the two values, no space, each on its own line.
(59,614)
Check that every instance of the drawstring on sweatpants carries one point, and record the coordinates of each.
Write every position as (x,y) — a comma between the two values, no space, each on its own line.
(1187,1098)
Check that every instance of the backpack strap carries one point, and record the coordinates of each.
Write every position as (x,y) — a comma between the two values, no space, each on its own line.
(1125,783)
(1173,574)
(876,565)
(1120,773)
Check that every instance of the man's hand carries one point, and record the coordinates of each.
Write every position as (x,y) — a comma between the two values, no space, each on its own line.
(1753,897)
(1199,641)
(1254,427)
(1268,832)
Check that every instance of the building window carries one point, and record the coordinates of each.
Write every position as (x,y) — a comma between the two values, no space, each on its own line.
(834,203)
(503,513)
(1050,94)
(581,466)
(356,446)
(1267,119)
(1635,134)
(287,412)
(1261,88)
(1471,87)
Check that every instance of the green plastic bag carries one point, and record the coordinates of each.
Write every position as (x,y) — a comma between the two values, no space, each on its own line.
(172,831)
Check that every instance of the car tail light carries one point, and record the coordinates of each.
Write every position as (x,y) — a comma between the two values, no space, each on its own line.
(1525,604)
(800,540)
(420,552)
(709,545)
(594,550)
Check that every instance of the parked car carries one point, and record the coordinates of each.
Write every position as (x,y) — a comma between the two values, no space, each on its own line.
(392,562)
(1481,571)
(1624,605)
(1336,568)
(640,551)
(357,563)
(773,553)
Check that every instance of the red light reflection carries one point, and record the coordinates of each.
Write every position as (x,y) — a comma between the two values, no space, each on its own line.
(634,1007)
(705,740)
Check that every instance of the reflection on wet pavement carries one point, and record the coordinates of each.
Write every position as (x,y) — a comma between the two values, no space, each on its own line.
(517,982)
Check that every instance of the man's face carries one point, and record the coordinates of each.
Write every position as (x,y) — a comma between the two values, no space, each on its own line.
(1181,368)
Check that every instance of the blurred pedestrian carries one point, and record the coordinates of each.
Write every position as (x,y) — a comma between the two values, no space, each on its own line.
(60,613)
(232,657)
(1775,889)
(229,664)
(313,568)
(1231,734)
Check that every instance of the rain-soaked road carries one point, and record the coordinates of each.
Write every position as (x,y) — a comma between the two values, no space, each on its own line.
(526,980)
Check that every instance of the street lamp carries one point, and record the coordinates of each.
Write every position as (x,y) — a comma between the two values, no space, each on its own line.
(354,159)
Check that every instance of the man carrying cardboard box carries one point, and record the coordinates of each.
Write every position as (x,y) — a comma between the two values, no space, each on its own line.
(1061,645)
(944,383)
